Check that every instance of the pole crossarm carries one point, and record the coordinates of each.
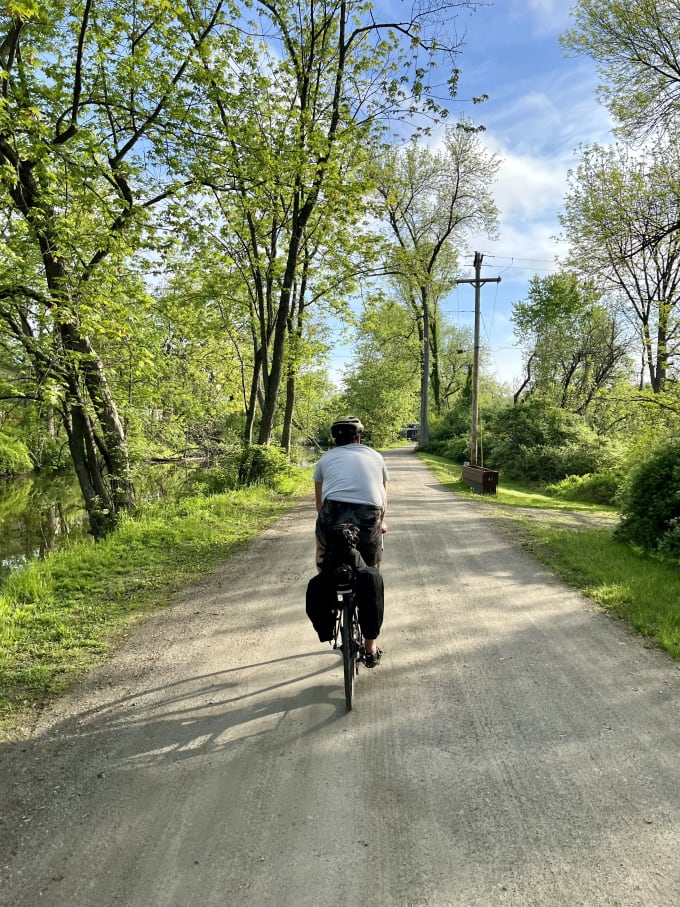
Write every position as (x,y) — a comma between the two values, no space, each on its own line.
(481,281)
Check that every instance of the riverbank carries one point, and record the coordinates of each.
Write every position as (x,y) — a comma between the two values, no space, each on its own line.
(62,615)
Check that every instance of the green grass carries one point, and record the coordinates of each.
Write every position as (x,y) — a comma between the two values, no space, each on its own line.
(60,616)
(511,493)
(625,581)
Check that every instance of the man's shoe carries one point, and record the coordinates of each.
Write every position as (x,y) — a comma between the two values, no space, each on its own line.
(372,659)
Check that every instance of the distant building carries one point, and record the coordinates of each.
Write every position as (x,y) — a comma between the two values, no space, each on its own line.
(412,431)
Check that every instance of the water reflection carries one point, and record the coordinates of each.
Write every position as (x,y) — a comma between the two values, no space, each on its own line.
(36,513)
(39,512)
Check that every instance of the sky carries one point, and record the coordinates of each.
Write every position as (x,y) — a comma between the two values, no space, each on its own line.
(542,106)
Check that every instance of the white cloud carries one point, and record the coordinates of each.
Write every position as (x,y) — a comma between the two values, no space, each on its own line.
(546,16)
(529,185)
(553,113)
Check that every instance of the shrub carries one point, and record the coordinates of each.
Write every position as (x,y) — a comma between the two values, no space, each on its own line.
(450,433)
(595,488)
(265,465)
(669,544)
(539,442)
(456,449)
(223,473)
(649,501)
(453,423)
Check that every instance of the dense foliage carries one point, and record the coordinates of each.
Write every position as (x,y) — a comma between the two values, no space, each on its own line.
(650,501)
(202,203)
(539,442)
(184,192)
(14,456)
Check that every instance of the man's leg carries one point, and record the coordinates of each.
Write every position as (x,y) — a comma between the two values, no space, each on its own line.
(371,595)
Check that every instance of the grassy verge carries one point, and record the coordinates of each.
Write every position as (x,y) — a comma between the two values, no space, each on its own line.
(60,616)
(624,581)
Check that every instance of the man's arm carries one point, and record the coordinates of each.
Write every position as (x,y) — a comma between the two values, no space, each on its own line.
(317,493)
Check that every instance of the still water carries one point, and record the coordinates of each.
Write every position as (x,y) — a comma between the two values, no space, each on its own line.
(38,513)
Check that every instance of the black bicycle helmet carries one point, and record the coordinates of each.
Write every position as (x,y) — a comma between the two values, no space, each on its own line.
(346,430)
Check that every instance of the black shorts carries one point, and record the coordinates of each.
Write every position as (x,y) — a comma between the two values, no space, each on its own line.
(367,519)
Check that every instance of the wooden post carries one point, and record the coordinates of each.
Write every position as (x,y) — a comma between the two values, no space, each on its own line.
(478,282)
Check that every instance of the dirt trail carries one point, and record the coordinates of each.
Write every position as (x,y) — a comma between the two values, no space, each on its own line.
(516,747)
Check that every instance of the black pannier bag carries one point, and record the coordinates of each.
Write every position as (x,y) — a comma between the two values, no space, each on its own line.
(342,561)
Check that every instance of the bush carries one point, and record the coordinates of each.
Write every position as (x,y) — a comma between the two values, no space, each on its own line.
(222,474)
(546,463)
(264,465)
(455,449)
(539,442)
(450,433)
(594,488)
(451,424)
(669,544)
(14,457)
(649,501)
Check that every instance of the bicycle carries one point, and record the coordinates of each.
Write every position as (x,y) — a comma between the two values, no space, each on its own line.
(348,631)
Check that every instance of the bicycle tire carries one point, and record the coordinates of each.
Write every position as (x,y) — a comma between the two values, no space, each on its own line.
(348,650)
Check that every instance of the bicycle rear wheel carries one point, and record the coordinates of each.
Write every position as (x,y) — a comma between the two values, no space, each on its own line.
(349,653)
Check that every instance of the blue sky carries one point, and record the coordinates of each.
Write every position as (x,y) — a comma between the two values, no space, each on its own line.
(541,107)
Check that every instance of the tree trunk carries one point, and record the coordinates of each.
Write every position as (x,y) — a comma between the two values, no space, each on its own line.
(83,451)
(434,370)
(661,350)
(111,441)
(272,383)
(286,433)
(425,373)
(251,411)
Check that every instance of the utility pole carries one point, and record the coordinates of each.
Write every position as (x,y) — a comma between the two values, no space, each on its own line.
(477,283)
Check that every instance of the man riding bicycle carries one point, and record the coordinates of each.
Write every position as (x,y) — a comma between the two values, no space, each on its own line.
(350,482)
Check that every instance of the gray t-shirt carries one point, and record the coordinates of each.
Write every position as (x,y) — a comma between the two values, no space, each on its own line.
(354,474)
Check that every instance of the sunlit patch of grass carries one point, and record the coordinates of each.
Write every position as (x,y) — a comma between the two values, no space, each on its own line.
(508,492)
(625,581)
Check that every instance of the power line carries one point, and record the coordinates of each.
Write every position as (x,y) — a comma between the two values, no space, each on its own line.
(514,258)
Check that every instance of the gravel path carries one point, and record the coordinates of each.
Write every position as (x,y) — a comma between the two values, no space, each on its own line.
(516,746)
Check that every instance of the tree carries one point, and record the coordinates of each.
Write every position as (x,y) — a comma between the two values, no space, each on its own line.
(90,96)
(615,211)
(574,343)
(196,384)
(429,201)
(381,386)
(296,112)
(453,352)
(635,44)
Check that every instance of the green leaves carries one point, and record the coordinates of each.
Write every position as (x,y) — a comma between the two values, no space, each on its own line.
(22,9)
(621,217)
(635,45)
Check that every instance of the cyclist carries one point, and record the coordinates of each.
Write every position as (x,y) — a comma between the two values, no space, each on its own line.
(350,483)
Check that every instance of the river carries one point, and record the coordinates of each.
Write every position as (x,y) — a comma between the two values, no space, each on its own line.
(38,513)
